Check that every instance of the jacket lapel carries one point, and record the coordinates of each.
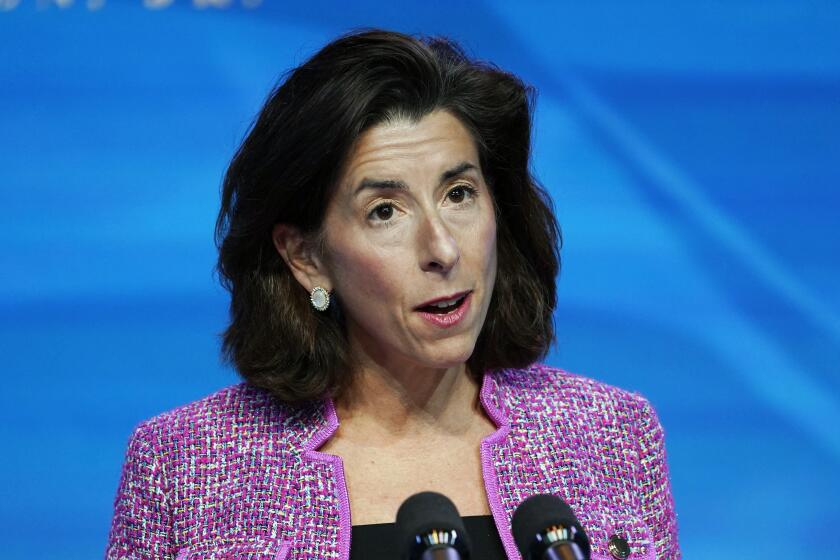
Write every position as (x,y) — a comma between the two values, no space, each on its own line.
(537,449)
(321,523)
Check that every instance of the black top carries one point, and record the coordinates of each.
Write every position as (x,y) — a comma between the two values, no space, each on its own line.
(378,542)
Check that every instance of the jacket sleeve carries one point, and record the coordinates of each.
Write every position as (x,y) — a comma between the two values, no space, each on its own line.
(142,522)
(657,502)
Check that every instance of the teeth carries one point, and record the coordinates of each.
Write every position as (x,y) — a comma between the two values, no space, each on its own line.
(446,303)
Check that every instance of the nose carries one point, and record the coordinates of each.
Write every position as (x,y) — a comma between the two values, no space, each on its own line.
(439,250)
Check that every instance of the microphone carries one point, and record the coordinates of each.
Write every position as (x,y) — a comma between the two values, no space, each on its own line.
(545,528)
(429,528)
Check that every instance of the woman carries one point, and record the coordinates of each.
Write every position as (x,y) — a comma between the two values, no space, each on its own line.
(391,264)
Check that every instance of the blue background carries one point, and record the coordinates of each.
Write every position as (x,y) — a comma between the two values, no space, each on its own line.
(691,150)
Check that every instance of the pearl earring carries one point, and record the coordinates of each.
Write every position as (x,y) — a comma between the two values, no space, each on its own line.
(320,298)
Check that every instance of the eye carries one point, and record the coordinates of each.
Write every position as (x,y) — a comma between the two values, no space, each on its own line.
(460,192)
(383,212)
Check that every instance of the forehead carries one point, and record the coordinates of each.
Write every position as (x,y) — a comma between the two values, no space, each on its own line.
(403,147)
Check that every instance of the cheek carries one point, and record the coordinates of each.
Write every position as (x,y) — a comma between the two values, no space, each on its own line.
(492,262)
(364,279)
(488,238)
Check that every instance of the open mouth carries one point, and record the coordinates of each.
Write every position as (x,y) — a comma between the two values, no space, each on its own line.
(444,307)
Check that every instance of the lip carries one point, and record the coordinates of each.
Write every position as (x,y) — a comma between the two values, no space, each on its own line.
(447,320)
(440,299)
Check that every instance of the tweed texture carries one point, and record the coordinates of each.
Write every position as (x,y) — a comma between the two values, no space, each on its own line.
(599,448)
(236,474)
(225,477)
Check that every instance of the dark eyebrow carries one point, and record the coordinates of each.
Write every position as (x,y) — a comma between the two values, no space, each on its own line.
(462,167)
(396,184)
(381,184)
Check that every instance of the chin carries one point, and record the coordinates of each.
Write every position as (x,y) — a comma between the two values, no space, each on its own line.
(448,359)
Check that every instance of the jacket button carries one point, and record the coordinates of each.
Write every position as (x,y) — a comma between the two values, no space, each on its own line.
(618,547)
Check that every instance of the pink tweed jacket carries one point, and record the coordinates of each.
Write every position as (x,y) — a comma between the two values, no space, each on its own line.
(238,474)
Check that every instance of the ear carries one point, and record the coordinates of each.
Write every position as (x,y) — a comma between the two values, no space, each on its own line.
(301,257)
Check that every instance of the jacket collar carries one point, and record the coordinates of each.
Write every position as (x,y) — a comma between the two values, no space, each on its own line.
(491,400)
(496,408)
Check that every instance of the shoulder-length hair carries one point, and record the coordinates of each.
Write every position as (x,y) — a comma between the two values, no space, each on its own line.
(289,163)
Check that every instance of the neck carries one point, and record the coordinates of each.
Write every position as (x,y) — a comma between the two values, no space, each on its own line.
(392,403)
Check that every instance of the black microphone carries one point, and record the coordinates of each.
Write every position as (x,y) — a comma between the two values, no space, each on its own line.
(545,528)
(429,528)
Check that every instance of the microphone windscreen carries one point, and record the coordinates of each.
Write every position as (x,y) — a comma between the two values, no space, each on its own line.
(428,511)
(538,513)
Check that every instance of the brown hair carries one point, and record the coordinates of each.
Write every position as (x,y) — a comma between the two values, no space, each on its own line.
(288,164)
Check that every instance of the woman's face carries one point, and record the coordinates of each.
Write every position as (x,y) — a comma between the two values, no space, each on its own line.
(412,221)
